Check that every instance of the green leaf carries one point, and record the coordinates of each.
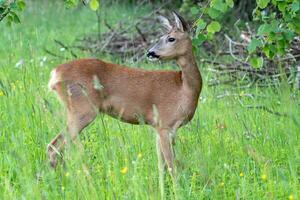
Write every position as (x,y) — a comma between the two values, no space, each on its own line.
(2,10)
(269,50)
(288,35)
(271,37)
(94,5)
(219,5)
(202,37)
(281,45)
(295,6)
(8,23)
(213,13)
(253,45)
(230,3)
(282,6)
(201,24)
(257,62)
(262,3)
(13,5)
(210,36)
(9,20)
(266,51)
(214,27)
(264,29)
(275,26)
(15,17)
(21,5)
(199,40)
(194,10)
(70,3)
(294,26)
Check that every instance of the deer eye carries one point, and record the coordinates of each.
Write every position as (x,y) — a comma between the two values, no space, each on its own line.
(171,39)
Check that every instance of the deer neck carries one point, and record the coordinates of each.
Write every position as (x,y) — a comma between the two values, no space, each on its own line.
(191,77)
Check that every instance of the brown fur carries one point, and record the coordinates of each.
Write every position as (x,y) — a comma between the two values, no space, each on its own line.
(163,99)
(127,94)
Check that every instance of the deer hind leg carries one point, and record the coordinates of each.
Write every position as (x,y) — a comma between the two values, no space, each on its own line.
(80,113)
(54,148)
(165,156)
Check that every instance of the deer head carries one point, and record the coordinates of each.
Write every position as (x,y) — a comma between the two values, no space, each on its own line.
(174,43)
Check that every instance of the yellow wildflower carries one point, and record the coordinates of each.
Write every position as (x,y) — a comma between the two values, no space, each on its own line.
(291,197)
(241,174)
(263,177)
(222,184)
(140,155)
(124,170)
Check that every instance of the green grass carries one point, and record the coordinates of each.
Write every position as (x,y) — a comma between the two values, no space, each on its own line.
(226,152)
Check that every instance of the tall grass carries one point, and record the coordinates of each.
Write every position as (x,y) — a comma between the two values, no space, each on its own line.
(228,151)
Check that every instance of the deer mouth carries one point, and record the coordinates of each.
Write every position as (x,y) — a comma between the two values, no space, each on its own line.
(152,55)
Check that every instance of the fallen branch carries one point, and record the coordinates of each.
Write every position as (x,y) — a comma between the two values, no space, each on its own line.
(140,33)
(264,108)
(230,49)
(271,73)
(226,94)
(65,47)
(52,54)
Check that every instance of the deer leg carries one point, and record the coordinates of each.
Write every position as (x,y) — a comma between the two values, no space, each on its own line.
(161,167)
(165,144)
(54,148)
(80,113)
(76,122)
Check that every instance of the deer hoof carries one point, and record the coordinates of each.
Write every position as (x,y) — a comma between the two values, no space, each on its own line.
(52,156)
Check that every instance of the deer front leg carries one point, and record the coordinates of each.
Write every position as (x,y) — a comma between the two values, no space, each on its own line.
(165,157)
(165,145)
(161,167)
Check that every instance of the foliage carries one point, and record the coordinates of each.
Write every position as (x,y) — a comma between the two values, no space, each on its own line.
(9,9)
(279,22)
(93,4)
(210,21)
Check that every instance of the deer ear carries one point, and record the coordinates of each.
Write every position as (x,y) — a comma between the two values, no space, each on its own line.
(165,22)
(180,22)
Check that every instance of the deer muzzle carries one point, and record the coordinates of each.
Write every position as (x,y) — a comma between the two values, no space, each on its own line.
(152,54)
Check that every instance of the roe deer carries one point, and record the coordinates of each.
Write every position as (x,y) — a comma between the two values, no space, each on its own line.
(164,99)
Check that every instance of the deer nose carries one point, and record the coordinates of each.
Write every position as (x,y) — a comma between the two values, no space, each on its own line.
(152,54)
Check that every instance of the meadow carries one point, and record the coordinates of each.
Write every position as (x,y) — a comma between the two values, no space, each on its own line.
(228,151)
